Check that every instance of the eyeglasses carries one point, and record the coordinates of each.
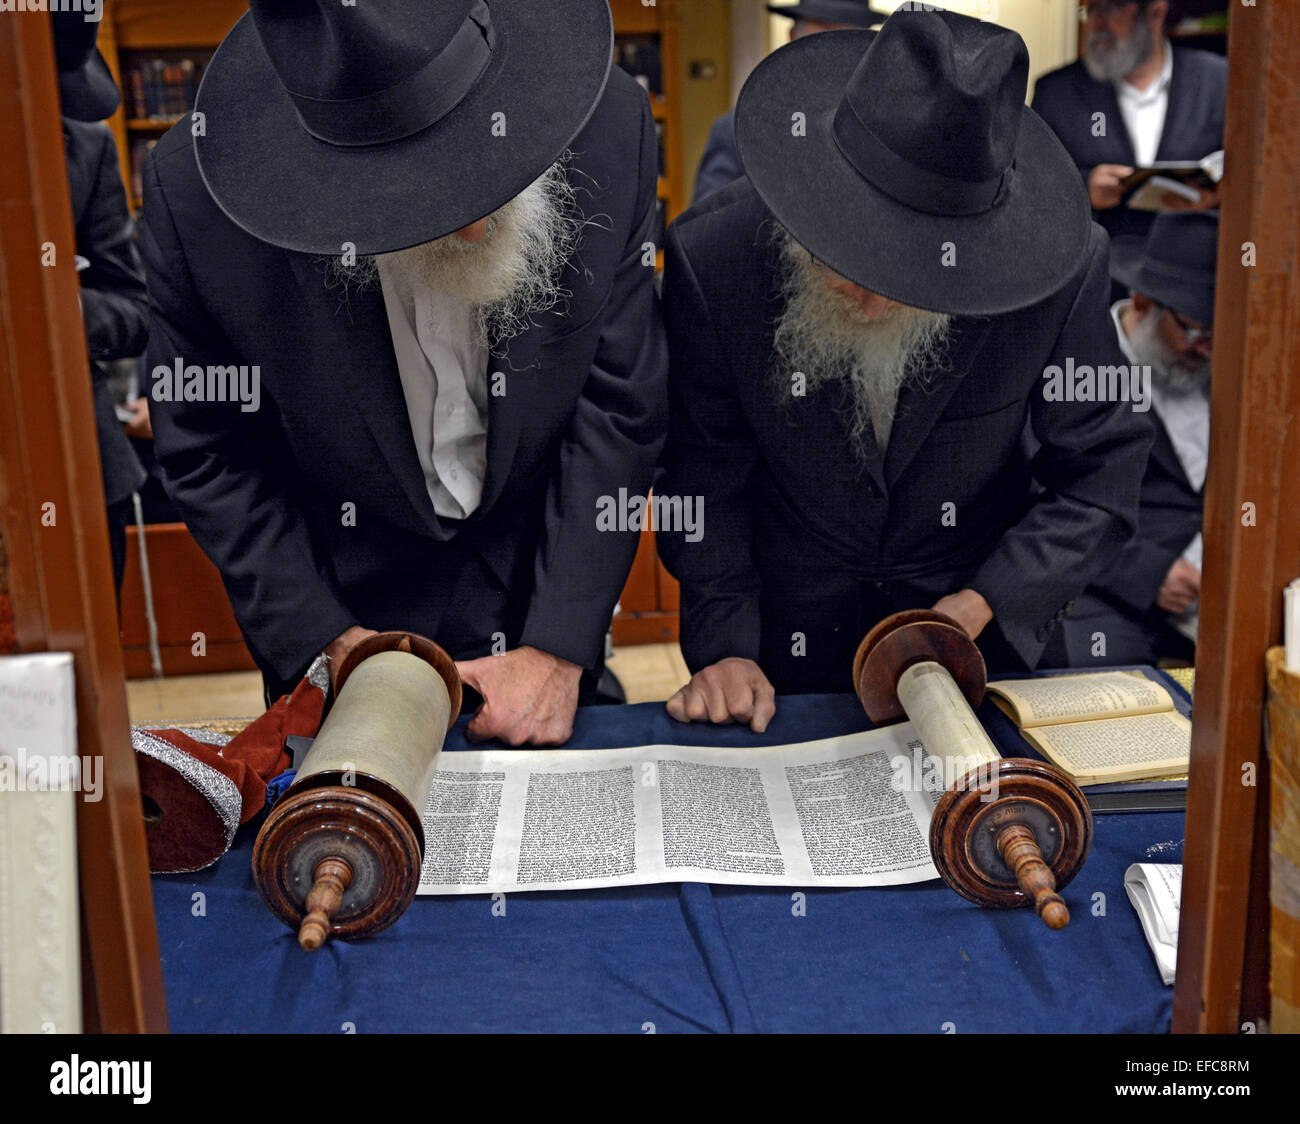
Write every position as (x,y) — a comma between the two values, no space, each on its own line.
(1193,333)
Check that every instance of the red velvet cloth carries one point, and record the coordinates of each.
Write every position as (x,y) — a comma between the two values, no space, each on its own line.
(196,793)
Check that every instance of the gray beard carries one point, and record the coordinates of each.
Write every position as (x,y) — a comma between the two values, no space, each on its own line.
(825,336)
(1169,370)
(508,277)
(1111,63)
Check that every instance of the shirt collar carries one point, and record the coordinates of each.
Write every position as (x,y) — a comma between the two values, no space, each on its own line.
(1116,312)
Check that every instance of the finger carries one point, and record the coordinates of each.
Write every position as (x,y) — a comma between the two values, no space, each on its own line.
(764,704)
(738,696)
(716,701)
(697,710)
(677,706)
(469,674)
(481,726)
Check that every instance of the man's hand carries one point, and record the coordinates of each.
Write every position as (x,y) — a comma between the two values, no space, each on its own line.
(1208,201)
(1181,589)
(529,697)
(139,426)
(1103,185)
(968,609)
(731,690)
(339,648)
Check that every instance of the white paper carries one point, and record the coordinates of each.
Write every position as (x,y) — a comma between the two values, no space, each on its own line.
(1155,890)
(40,776)
(1291,625)
(847,811)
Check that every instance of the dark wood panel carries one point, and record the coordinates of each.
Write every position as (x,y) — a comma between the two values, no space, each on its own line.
(60,576)
(189,598)
(1250,552)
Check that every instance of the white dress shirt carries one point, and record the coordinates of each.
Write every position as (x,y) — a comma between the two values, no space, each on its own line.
(444,379)
(1144,111)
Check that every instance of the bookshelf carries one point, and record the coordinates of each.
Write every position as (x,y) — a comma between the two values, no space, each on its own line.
(156,50)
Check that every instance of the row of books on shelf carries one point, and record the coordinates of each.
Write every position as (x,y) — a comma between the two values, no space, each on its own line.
(160,87)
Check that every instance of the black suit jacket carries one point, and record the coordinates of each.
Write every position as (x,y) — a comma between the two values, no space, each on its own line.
(791,518)
(1068,98)
(264,493)
(1169,519)
(114,307)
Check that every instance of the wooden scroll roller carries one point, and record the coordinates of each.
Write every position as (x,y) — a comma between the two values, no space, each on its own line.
(340,853)
(1006,832)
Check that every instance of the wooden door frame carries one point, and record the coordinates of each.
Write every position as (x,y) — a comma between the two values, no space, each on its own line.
(60,575)
(1250,552)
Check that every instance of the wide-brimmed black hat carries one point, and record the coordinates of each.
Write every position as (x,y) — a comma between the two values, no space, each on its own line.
(87,91)
(393,122)
(906,161)
(858,13)
(1174,264)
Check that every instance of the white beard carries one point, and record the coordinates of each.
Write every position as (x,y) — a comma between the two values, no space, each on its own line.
(1109,63)
(508,277)
(1169,369)
(825,335)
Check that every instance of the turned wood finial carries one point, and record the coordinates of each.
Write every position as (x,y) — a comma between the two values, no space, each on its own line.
(333,876)
(1019,850)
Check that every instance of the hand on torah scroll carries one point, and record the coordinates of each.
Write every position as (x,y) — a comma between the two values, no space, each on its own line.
(731,690)
(529,697)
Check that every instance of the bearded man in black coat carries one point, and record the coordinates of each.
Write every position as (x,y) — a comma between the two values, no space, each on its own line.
(405,338)
(861,334)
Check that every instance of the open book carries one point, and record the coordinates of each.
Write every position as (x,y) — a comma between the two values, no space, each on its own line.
(1100,726)
(1145,188)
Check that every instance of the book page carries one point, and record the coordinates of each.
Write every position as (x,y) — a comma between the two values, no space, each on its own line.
(1123,749)
(1155,889)
(1078,698)
(847,811)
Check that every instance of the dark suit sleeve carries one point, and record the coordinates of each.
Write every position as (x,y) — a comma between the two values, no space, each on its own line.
(113,301)
(222,470)
(1090,467)
(612,442)
(720,164)
(711,454)
(1136,575)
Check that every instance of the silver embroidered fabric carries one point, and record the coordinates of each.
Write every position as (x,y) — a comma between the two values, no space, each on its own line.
(318,675)
(216,788)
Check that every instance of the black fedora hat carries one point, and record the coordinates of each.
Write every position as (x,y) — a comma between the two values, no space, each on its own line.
(858,13)
(1174,264)
(390,123)
(920,174)
(87,91)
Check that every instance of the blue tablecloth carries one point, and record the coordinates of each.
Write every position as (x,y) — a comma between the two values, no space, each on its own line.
(685,957)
